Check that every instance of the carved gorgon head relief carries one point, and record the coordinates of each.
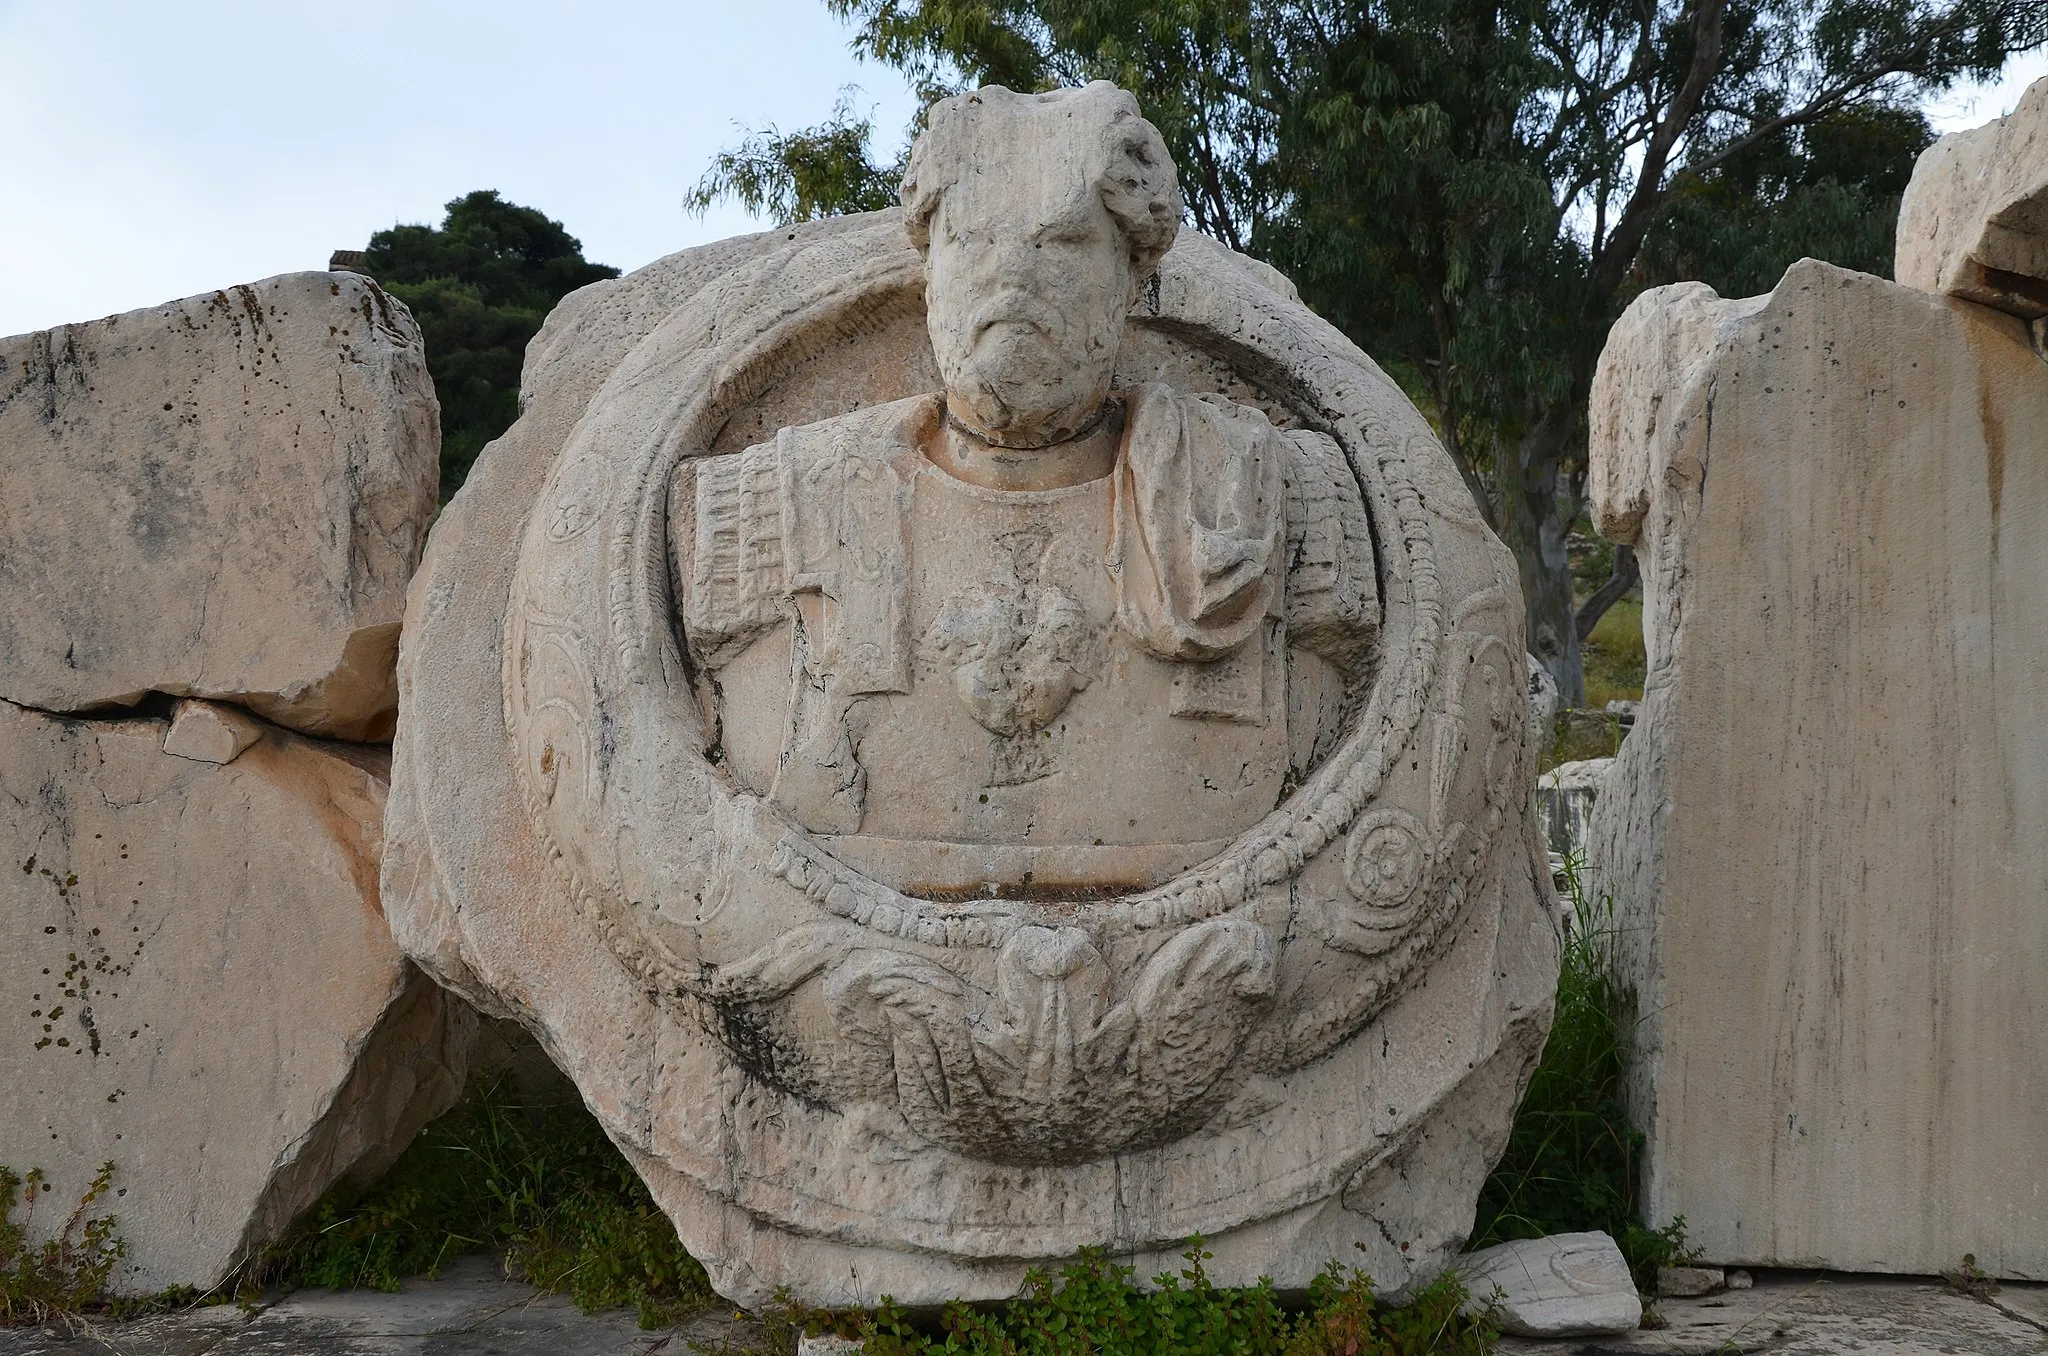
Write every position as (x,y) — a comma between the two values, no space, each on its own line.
(1022,770)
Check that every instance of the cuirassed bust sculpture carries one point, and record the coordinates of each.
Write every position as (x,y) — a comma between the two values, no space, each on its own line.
(995,714)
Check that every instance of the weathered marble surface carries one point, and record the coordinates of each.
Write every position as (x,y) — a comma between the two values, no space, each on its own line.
(781,699)
(1974,221)
(1827,833)
(218,497)
(200,987)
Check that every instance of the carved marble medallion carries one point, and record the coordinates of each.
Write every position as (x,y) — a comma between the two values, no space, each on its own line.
(1022,707)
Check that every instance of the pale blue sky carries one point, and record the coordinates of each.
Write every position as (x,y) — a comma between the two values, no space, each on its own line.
(150,150)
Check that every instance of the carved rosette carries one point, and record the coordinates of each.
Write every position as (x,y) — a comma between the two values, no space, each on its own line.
(1002,1031)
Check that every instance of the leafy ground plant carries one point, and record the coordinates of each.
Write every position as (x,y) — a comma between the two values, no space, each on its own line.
(1095,1309)
(64,1276)
(542,1185)
(1573,1159)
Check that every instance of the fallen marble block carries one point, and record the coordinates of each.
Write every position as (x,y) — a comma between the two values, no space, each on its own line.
(1826,836)
(220,497)
(1566,1285)
(200,987)
(1974,221)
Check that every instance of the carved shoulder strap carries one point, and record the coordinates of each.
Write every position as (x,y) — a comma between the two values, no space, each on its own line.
(1333,596)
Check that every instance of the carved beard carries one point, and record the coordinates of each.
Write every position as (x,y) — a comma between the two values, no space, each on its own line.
(1019,387)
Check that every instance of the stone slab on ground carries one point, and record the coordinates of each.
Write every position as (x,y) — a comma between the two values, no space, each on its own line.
(1817,1314)
(472,1309)
(1826,837)
(218,497)
(198,985)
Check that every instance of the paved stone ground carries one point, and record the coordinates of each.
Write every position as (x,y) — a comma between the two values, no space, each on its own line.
(1813,1314)
(472,1310)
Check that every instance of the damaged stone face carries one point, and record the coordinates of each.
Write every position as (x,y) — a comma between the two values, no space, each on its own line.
(1826,836)
(221,497)
(960,765)
(197,983)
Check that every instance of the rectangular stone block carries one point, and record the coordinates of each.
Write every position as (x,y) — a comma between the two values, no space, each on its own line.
(1827,834)
(219,497)
(197,984)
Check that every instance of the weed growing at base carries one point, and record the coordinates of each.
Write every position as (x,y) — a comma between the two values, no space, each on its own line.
(1573,1160)
(65,1275)
(1095,1310)
(541,1185)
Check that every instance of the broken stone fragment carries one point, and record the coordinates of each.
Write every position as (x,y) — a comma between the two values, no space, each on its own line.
(210,733)
(1689,1282)
(220,497)
(1566,1285)
(196,983)
(1974,222)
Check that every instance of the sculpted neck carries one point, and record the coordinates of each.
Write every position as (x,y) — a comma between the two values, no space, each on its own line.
(961,453)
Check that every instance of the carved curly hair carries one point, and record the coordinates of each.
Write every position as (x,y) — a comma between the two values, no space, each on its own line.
(1125,157)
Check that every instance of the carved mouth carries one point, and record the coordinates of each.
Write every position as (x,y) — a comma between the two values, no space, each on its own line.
(1017,315)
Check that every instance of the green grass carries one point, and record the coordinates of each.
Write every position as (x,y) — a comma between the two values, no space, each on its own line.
(1096,1309)
(1614,664)
(1582,734)
(1573,1160)
(1613,656)
(541,1185)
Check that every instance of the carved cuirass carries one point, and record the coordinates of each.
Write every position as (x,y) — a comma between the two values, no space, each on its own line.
(975,691)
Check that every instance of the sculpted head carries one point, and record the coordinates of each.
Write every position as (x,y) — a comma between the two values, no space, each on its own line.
(1039,217)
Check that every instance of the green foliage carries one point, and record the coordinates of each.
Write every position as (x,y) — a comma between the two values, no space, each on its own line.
(66,1274)
(480,284)
(542,1185)
(1096,1310)
(1829,190)
(1573,1158)
(801,176)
